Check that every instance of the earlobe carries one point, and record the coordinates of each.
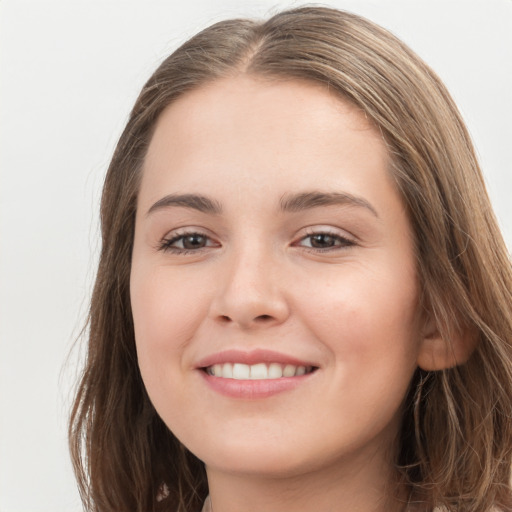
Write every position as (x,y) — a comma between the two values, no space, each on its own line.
(440,352)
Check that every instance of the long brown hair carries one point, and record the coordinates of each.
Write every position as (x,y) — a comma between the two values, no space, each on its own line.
(456,438)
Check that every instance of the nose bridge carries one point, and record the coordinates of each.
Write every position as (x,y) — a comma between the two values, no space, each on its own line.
(251,293)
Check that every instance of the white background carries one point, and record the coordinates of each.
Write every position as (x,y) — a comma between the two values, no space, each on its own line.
(70,71)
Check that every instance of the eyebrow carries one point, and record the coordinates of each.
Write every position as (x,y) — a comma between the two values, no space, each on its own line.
(314,199)
(193,201)
(288,203)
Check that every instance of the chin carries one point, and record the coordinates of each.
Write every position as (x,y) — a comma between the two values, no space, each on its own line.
(258,464)
(261,458)
(247,455)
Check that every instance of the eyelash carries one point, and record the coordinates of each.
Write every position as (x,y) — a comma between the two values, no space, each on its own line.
(342,241)
(166,245)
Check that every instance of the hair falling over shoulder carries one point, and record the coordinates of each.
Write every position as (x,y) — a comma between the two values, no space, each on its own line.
(455,446)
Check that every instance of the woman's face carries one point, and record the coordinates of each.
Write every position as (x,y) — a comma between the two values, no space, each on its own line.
(273,283)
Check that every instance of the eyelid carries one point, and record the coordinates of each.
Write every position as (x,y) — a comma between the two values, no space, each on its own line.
(325,229)
(165,243)
(347,238)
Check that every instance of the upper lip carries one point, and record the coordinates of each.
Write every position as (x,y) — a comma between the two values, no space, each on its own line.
(251,357)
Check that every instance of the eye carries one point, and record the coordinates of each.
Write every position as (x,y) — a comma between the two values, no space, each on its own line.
(324,241)
(187,242)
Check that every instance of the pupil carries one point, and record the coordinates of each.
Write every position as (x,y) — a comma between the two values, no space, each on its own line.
(322,241)
(194,241)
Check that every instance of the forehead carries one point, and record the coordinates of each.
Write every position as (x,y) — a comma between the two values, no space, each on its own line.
(253,134)
(250,103)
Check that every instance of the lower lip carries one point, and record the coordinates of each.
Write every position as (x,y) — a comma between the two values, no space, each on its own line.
(253,389)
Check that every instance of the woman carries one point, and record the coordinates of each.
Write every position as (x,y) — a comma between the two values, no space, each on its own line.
(303,300)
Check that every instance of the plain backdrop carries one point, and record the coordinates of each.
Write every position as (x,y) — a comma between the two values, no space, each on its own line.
(70,72)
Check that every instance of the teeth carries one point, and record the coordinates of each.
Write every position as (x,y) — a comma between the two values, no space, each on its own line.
(289,370)
(301,370)
(275,371)
(260,371)
(240,371)
(227,370)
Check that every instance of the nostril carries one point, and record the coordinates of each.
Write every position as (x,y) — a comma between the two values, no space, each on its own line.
(263,318)
(224,318)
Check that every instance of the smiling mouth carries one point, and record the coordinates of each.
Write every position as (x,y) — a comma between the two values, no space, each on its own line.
(259,371)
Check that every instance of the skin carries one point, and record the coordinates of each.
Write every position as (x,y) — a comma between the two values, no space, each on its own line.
(255,282)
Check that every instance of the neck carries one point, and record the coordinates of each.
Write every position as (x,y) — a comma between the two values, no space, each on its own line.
(355,487)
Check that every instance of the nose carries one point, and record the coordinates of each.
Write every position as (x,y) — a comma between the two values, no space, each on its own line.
(250,294)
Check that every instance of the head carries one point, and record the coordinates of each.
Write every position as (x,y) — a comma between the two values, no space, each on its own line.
(454,442)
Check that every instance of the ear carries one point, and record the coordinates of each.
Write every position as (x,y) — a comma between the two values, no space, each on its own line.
(438,352)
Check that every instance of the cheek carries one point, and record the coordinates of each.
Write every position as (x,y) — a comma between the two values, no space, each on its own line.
(364,315)
(369,326)
(167,310)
